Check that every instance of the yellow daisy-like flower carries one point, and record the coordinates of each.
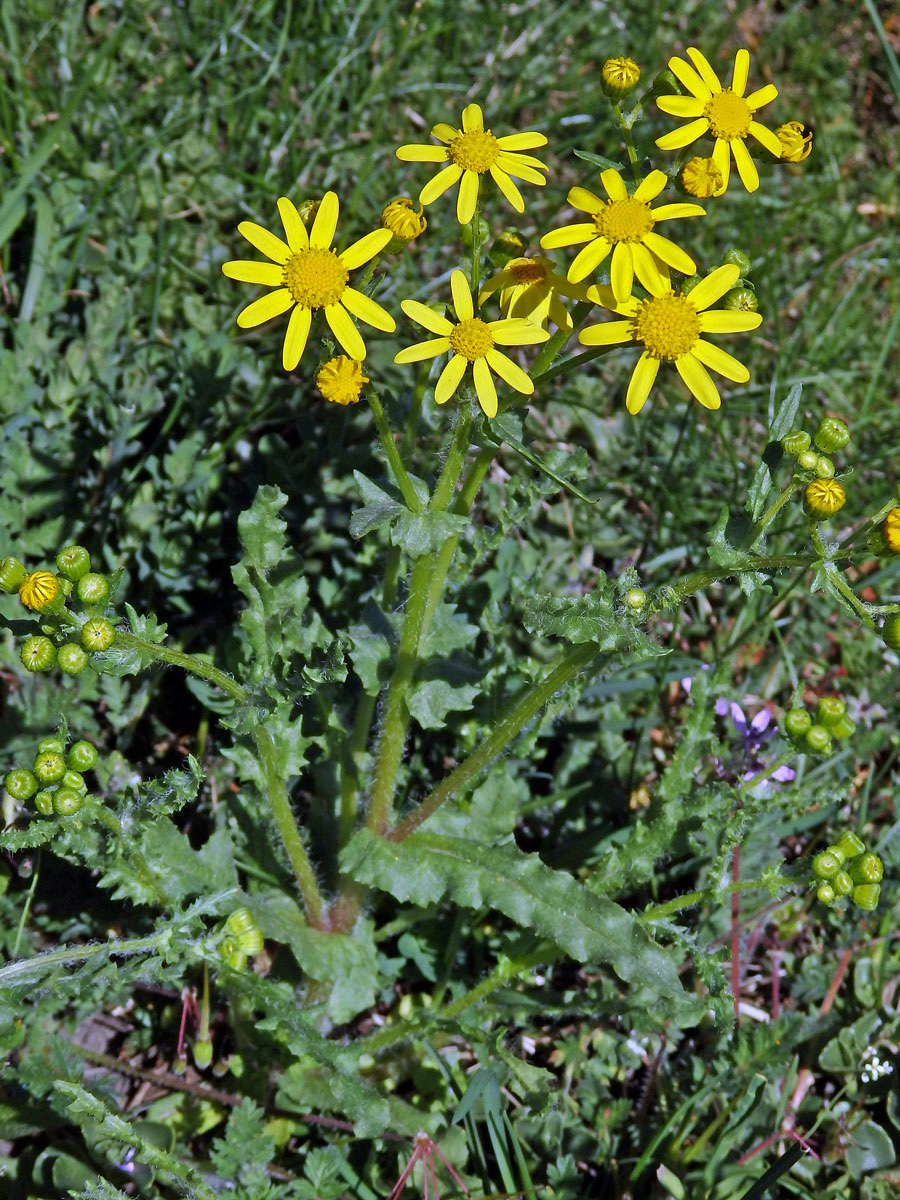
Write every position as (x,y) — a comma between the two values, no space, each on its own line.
(669,327)
(308,275)
(474,151)
(474,341)
(701,177)
(530,288)
(795,142)
(726,113)
(624,224)
(405,222)
(341,380)
(38,589)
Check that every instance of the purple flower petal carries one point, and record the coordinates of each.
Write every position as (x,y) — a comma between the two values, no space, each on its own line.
(784,774)
(761,721)
(721,708)
(740,721)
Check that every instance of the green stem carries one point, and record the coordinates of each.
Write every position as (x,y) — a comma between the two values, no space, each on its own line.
(748,784)
(836,577)
(393,454)
(671,595)
(629,141)
(475,268)
(770,514)
(187,662)
(660,911)
(566,667)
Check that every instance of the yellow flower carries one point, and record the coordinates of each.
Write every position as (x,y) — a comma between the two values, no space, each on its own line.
(38,589)
(471,340)
(619,76)
(726,113)
(669,327)
(824,497)
(308,275)
(795,143)
(405,222)
(528,288)
(625,225)
(472,152)
(341,380)
(892,530)
(701,177)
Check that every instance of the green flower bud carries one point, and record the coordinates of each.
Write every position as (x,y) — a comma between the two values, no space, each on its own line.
(851,844)
(797,723)
(826,865)
(179,1066)
(839,853)
(618,77)
(843,728)
(635,600)
(737,258)
(831,435)
(741,299)
(829,711)
(12,572)
(203,1052)
(842,884)
(97,634)
(38,654)
(824,467)
(825,892)
(82,756)
(868,868)
(72,659)
(74,562)
(50,745)
(818,739)
(67,802)
(93,589)
(688,285)
(508,244)
(866,896)
(796,443)
(50,767)
(21,784)
(75,781)
(251,943)
(876,542)
(43,802)
(823,498)
(807,460)
(890,631)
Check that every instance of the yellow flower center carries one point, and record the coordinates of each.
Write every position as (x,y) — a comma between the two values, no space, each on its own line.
(729,115)
(38,589)
(315,278)
(472,339)
(527,270)
(624,220)
(701,177)
(341,380)
(892,530)
(476,150)
(668,326)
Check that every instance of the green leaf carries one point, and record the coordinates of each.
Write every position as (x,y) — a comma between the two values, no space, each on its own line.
(430,700)
(782,424)
(379,507)
(371,647)
(870,1150)
(723,551)
(246,1149)
(262,530)
(424,533)
(588,618)
(121,660)
(426,869)
(598,160)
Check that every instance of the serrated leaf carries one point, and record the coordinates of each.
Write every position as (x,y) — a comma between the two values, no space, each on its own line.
(379,507)
(246,1149)
(598,160)
(262,530)
(424,533)
(37,833)
(588,618)
(371,647)
(426,869)
(122,660)
(782,424)
(430,700)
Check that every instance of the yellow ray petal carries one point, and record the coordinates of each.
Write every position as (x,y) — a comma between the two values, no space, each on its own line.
(245,271)
(364,249)
(462,296)
(449,379)
(510,372)
(679,138)
(723,320)
(558,314)
(294,229)
(741,71)
(681,106)
(603,294)
(522,141)
(586,201)
(607,333)
(508,188)
(423,350)
(295,337)
(569,235)
(588,259)
(726,364)
(484,387)
(322,233)
(642,379)
(648,270)
(444,132)
(613,184)
(761,97)
(472,118)
(648,189)
(345,331)
(766,138)
(440,183)
(467,198)
(266,243)
(698,381)
(365,309)
(265,308)
(433,154)
(621,272)
(513,165)
(688,77)
(745,165)
(517,332)
(427,317)
(665,249)
(666,212)
(704,70)
(722,159)
(714,286)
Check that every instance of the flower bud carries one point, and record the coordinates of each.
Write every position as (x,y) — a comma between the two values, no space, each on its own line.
(875,542)
(38,654)
(341,380)
(50,767)
(43,802)
(868,868)
(797,723)
(180,1065)
(826,864)
(825,893)
(75,781)
(839,853)
(619,76)
(72,658)
(843,728)
(404,221)
(795,142)
(307,210)
(891,530)
(890,631)
(21,784)
(93,589)
(635,600)
(12,572)
(818,739)
(842,884)
(831,435)
(82,756)
(737,258)
(688,285)
(823,498)
(97,634)
(506,245)
(807,460)
(851,843)
(50,745)
(796,443)
(741,300)
(829,711)
(824,467)
(38,590)
(74,562)
(67,802)
(866,896)
(702,178)
(203,1052)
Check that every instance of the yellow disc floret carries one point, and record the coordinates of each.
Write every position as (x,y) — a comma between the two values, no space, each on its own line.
(404,221)
(38,589)
(341,380)
(315,278)
(668,326)
(472,339)
(795,143)
(624,220)
(477,150)
(892,530)
(528,270)
(701,177)
(729,115)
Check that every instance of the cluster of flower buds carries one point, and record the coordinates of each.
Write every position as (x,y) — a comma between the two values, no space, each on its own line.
(243,939)
(742,297)
(815,736)
(823,495)
(56,779)
(848,869)
(71,605)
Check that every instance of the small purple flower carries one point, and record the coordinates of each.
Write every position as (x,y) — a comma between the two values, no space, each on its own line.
(754,734)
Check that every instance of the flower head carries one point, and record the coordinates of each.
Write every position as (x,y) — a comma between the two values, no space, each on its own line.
(474,341)
(38,589)
(528,288)
(308,275)
(619,76)
(474,151)
(404,221)
(725,113)
(669,326)
(701,177)
(824,497)
(795,143)
(341,380)
(892,530)
(754,734)
(624,224)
